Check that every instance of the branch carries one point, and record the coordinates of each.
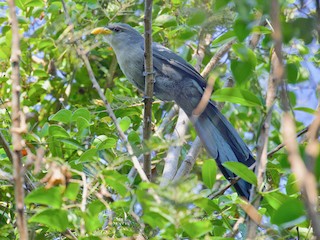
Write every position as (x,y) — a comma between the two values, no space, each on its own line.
(149,81)
(305,178)
(190,160)
(168,117)
(280,146)
(172,158)
(6,146)
(262,148)
(312,151)
(159,132)
(17,125)
(318,18)
(95,84)
(215,59)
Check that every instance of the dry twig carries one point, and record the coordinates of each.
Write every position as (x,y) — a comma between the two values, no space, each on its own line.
(17,125)
(149,81)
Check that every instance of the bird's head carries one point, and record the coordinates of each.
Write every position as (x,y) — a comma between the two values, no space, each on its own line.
(118,34)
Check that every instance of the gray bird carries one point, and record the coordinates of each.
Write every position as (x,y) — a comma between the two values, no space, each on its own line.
(176,80)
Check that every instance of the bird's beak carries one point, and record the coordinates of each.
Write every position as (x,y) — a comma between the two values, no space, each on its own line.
(101,30)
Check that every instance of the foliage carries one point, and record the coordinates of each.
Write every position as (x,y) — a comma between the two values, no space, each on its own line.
(83,183)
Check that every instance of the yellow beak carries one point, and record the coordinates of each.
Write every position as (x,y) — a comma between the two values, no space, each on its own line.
(101,30)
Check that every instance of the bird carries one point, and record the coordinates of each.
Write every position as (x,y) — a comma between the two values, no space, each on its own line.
(176,80)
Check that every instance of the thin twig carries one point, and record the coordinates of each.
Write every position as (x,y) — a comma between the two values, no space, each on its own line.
(280,146)
(189,161)
(5,146)
(215,59)
(167,119)
(17,125)
(231,183)
(149,81)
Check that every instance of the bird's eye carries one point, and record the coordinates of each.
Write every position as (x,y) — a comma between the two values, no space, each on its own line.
(116,29)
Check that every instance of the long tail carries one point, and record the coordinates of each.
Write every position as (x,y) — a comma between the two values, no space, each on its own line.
(224,144)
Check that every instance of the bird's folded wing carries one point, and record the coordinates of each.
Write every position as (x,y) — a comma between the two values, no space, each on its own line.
(163,55)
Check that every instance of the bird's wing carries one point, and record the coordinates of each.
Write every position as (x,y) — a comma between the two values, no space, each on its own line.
(163,55)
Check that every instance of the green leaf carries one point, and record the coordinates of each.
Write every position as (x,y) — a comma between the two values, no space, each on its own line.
(242,71)
(220,4)
(275,199)
(292,72)
(51,197)
(289,214)
(116,181)
(93,4)
(92,221)
(108,143)
(305,109)
(245,54)
(134,137)
(45,43)
(72,191)
(186,33)
(109,95)
(206,204)
(196,17)
(20,4)
(81,112)
(244,67)
(242,171)
(89,156)
(72,144)
(238,96)
(58,131)
(292,187)
(223,38)
(40,73)
(55,147)
(63,116)
(95,207)
(241,29)
(103,142)
(57,219)
(261,30)
(197,229)
(34,3)
(82,124)
(209,172)
(125,123)
(165,20)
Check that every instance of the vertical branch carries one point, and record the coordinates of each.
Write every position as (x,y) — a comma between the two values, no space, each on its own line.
(172,158)
(305,178)
(310,188)
(262,143)
(149,81)
(318,18)
(17,125)
(262,155)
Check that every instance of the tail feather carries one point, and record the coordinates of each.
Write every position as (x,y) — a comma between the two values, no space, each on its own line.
(224,144)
